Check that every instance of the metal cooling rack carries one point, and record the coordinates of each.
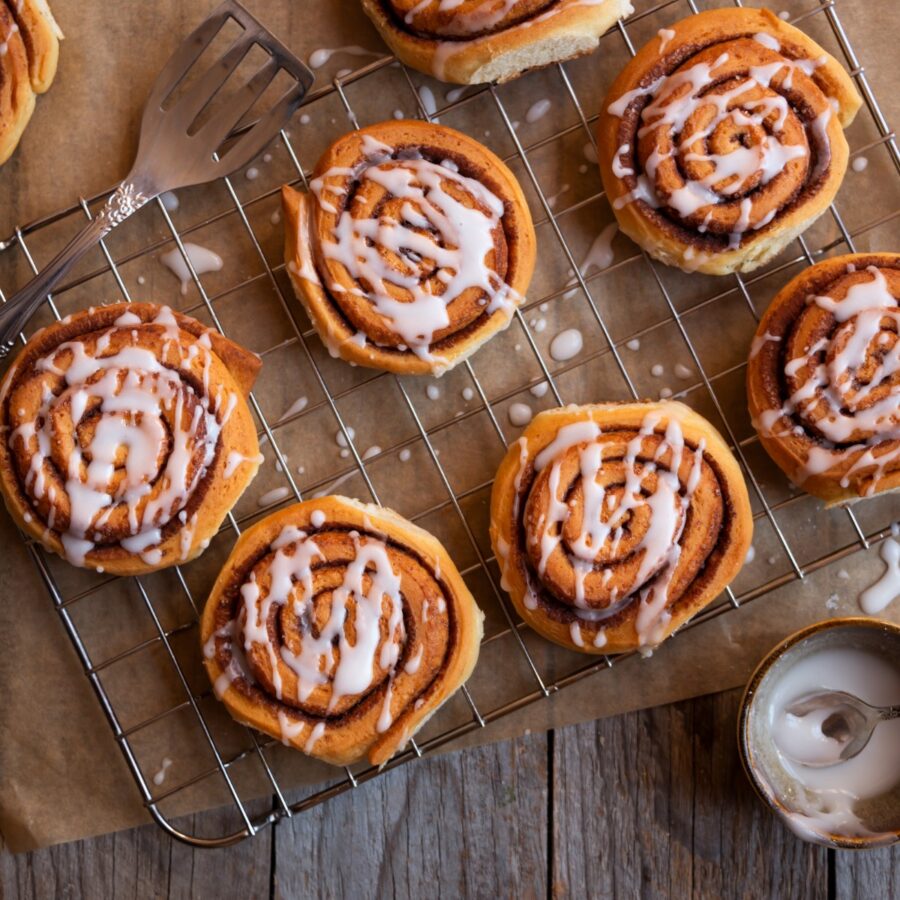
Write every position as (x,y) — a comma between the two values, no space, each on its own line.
(301,340)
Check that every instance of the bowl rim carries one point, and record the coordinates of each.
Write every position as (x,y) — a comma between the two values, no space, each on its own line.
(759,673)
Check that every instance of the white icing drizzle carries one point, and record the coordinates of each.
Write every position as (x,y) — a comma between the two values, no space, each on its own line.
(133,466)
(296,407)
(319,57)
(665,38)
(675,98)
(875,598)
(826,383)
(455,240)
(760,340)
(364,632)
(234,460)
(659,548)
(290,730)
(600,255)
(276,495)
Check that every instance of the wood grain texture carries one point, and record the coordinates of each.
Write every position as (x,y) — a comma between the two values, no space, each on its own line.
(649,804)
(465,825)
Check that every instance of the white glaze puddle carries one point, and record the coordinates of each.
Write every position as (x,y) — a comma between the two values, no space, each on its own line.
(600,256)
(202,259)
(160,776)
(538,110)
(520,414)
(296,407)
(826,797)
(875,598)
(276,495)
(566,345)
(319,57)
(429,103)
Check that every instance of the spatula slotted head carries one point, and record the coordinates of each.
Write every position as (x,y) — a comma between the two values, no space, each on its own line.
(210,112)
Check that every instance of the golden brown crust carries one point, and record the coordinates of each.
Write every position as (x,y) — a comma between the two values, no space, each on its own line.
(341,307)
(742,220)
(868,461)
(470,44)
(29,38)
(655,559)
(408,672)
(54,401)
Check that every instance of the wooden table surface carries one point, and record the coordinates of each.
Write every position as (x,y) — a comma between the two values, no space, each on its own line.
(650,804)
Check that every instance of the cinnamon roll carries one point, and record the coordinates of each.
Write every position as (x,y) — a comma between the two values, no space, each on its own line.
(413,246)
(339,628)
(125,437)
(475,41)
(29,49)
(823,380)
(722,140)
(613,524)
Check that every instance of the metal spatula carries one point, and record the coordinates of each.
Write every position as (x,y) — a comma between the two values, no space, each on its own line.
(177,147)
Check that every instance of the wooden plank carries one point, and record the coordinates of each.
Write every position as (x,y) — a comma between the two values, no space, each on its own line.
(654,803)
(143,863)
(81,869)
(470,824)
(739,847)
(862,876)
(621,806)
(243,870)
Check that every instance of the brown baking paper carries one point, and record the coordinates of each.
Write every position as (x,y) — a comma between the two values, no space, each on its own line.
(62,776)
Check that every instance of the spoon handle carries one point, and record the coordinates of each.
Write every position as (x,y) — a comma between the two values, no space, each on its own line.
(888,713)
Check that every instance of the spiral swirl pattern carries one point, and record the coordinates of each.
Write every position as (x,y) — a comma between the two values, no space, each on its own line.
(614,524)
(336,639)
(413,246)
(726,143)
(824,377)
(113,424)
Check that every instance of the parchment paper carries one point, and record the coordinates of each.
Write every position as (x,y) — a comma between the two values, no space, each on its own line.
(61,774)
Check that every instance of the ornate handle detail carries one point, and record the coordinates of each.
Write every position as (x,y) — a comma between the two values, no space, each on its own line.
(125,200)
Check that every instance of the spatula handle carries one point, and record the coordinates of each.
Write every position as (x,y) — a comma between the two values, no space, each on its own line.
(16,312)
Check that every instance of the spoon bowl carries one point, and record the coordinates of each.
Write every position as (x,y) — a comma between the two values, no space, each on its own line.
(850,721)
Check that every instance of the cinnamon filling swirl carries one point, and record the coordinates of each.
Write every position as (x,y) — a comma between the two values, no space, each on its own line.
(338,636)
(824,376)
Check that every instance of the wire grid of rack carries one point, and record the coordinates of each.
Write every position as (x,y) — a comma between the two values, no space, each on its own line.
(303,340)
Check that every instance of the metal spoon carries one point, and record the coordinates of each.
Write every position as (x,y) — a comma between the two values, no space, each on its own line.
(177,147)
(850,722)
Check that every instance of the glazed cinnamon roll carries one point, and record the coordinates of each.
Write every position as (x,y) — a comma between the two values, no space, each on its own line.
(339,628)
(823,380)
(29,49)
(125,437)
(613,524)
(722,140)
(413,247)
(475,41)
